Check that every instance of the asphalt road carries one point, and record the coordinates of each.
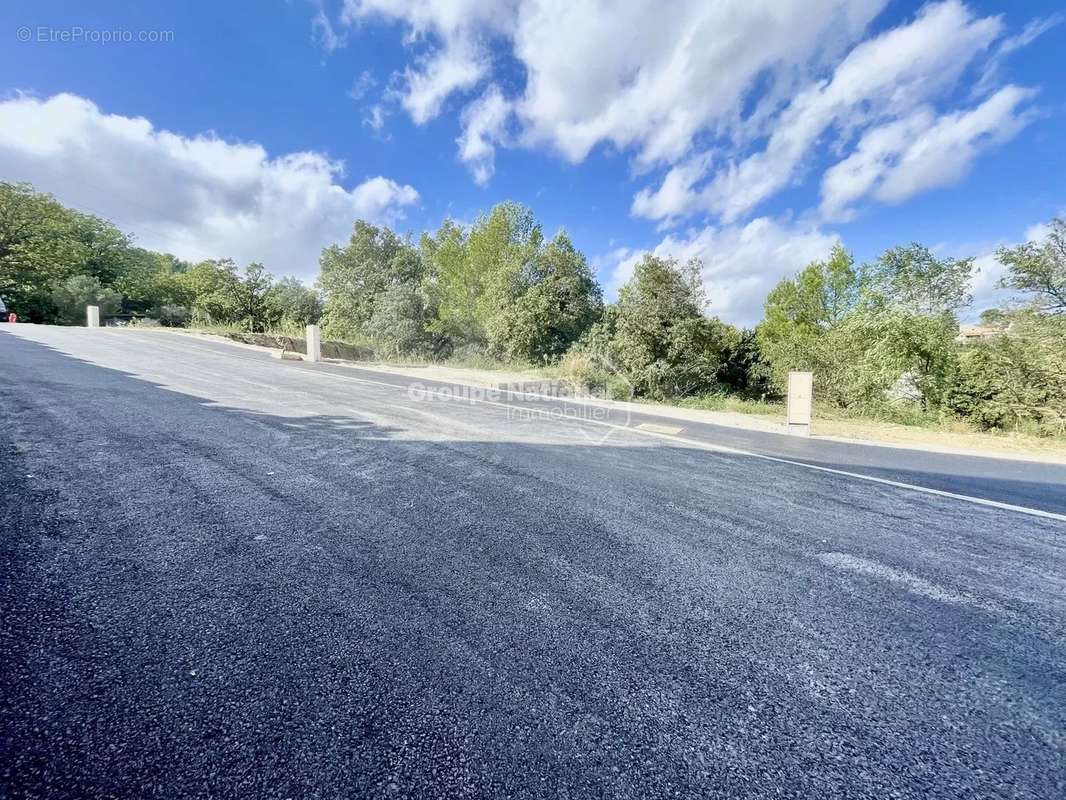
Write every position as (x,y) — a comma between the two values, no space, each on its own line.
(224,575)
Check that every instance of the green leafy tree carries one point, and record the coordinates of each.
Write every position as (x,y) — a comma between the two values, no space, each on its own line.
(558,299)
(743,370)
(663,342)
(401,324)
(147,283)
(800,310)
(501,249)
(219,295)
(210,290)
(295,304)
(106,252)
(914,280)
(869,336)
(995,318)
(252,306)
(476,276)
(1039,268)
(354,277)
(73,295)
(37,250)
(875,357)
(454,292)
(908,320)
(43,244)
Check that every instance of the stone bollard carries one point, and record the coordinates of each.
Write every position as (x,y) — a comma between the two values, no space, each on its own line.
(314,344)
(92,316)
(800,396)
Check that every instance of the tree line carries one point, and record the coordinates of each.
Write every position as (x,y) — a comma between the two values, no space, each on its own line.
(54,261)
(880,337)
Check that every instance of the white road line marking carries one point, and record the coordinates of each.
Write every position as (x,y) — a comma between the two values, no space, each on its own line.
(981,501)
(1033,512)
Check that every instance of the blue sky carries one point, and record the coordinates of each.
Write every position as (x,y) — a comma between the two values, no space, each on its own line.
(750,134)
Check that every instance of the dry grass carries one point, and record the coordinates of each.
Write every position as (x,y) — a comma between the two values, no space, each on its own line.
(910,430)
(948,437)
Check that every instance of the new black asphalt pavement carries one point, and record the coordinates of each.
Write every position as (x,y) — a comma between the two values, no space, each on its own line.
(222,575)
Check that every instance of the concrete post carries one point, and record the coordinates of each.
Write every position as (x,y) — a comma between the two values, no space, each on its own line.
(92,316)
(800,396)
(314,344)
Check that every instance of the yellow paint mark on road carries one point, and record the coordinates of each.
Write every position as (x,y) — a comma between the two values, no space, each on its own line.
(651,427)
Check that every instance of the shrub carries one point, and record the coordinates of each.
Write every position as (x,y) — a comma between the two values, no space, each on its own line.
(75,293)
(1017,380)
(171,316)
(662,341)
(743,370)
(872,358)
(400,324)
(585,371)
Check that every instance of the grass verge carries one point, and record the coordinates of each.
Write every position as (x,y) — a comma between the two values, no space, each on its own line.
(898,425)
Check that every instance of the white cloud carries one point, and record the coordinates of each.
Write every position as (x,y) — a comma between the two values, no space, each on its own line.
(614,269)
(446,19)
(375,117)
(458,66)
(942,154)
(741,263)
(735,98)
(985,287)
(456,57)
(653,80)
(197,197)
(484,124)
(1040,231)
(626,74)
(323,34)
(878,149)
(362,85)
(675,194)
(1034,29)
(919,152)
(381,198)
(881,78)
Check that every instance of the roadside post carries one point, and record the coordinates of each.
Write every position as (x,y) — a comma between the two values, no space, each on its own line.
(92,316)
(314,344)
(800,394)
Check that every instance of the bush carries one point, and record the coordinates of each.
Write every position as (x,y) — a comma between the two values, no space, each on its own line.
(662,341)
(585,372)
(72,296)
(400,324)
(872,359)
(1016,381)
(171,316)
(295,305)
(743,370)
(682,361)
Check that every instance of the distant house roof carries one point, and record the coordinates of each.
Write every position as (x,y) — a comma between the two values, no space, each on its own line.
(970,333)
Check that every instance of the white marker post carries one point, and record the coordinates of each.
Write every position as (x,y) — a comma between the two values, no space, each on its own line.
(92,316)
(800,395)
(314,344)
